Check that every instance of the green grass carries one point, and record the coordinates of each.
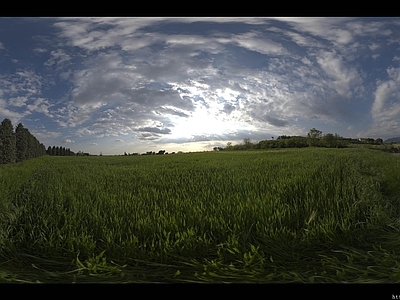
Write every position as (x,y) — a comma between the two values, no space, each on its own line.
(295,215)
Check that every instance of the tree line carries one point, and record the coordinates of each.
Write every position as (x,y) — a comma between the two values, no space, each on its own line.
(18,145)
(59,151)
(314,139)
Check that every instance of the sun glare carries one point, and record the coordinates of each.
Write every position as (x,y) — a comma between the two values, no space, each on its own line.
(202,122)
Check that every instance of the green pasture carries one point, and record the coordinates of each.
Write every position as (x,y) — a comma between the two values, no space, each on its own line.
(310,215)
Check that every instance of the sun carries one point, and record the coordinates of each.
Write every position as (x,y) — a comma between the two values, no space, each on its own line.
(203,121)
(208,118)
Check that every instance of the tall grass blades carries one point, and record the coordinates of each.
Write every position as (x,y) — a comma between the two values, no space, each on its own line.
(259,216)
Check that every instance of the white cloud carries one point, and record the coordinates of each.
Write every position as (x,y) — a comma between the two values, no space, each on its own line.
(17,101)
(40,50)
(326,28)
(68,141)
(45,136)
(385,110)
(343,77)
(302,40)
(58,57)
(86,33)
(256,42)
(21,82)
(14,116)
(129,77)
(374,46)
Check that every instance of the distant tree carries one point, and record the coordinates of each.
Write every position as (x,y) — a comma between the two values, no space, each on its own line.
(247,144)
(8,143)
(246,141)
(329,140)
(57,151)
(314,135)
(53,150)
(48,150)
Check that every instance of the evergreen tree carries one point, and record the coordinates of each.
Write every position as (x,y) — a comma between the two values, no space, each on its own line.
(53,150)
(42,149)
(57,151)
(31,146)
(21,142)
(8,146)
(48,150)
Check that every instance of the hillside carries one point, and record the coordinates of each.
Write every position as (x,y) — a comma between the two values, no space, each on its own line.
(393,140)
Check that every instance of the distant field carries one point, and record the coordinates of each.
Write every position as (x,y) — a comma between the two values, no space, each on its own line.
(310,215)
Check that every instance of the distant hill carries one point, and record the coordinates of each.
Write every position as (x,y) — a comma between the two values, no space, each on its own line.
(393,140)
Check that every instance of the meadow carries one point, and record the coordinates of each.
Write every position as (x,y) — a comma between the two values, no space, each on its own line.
(310,215)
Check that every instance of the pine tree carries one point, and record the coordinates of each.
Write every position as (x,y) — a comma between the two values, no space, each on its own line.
(42,149)
(31,146)
(8,145)
(21,142)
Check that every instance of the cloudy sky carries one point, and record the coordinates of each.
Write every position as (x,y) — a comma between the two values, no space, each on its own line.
(116,85)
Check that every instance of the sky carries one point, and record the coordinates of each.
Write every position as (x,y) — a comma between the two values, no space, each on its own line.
(135,84)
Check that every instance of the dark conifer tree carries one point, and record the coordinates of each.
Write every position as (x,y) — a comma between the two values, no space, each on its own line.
(8,146)
(31,146)
(42,149)
(21,140)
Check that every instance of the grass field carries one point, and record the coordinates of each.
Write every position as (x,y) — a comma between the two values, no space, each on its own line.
(310,215)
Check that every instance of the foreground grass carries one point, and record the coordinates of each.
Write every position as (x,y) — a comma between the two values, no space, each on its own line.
(297,215)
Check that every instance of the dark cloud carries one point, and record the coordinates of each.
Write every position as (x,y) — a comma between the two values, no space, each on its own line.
(155,130)
(152,99)
(276,122)
(171,111)
(149,136)
(228,108)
